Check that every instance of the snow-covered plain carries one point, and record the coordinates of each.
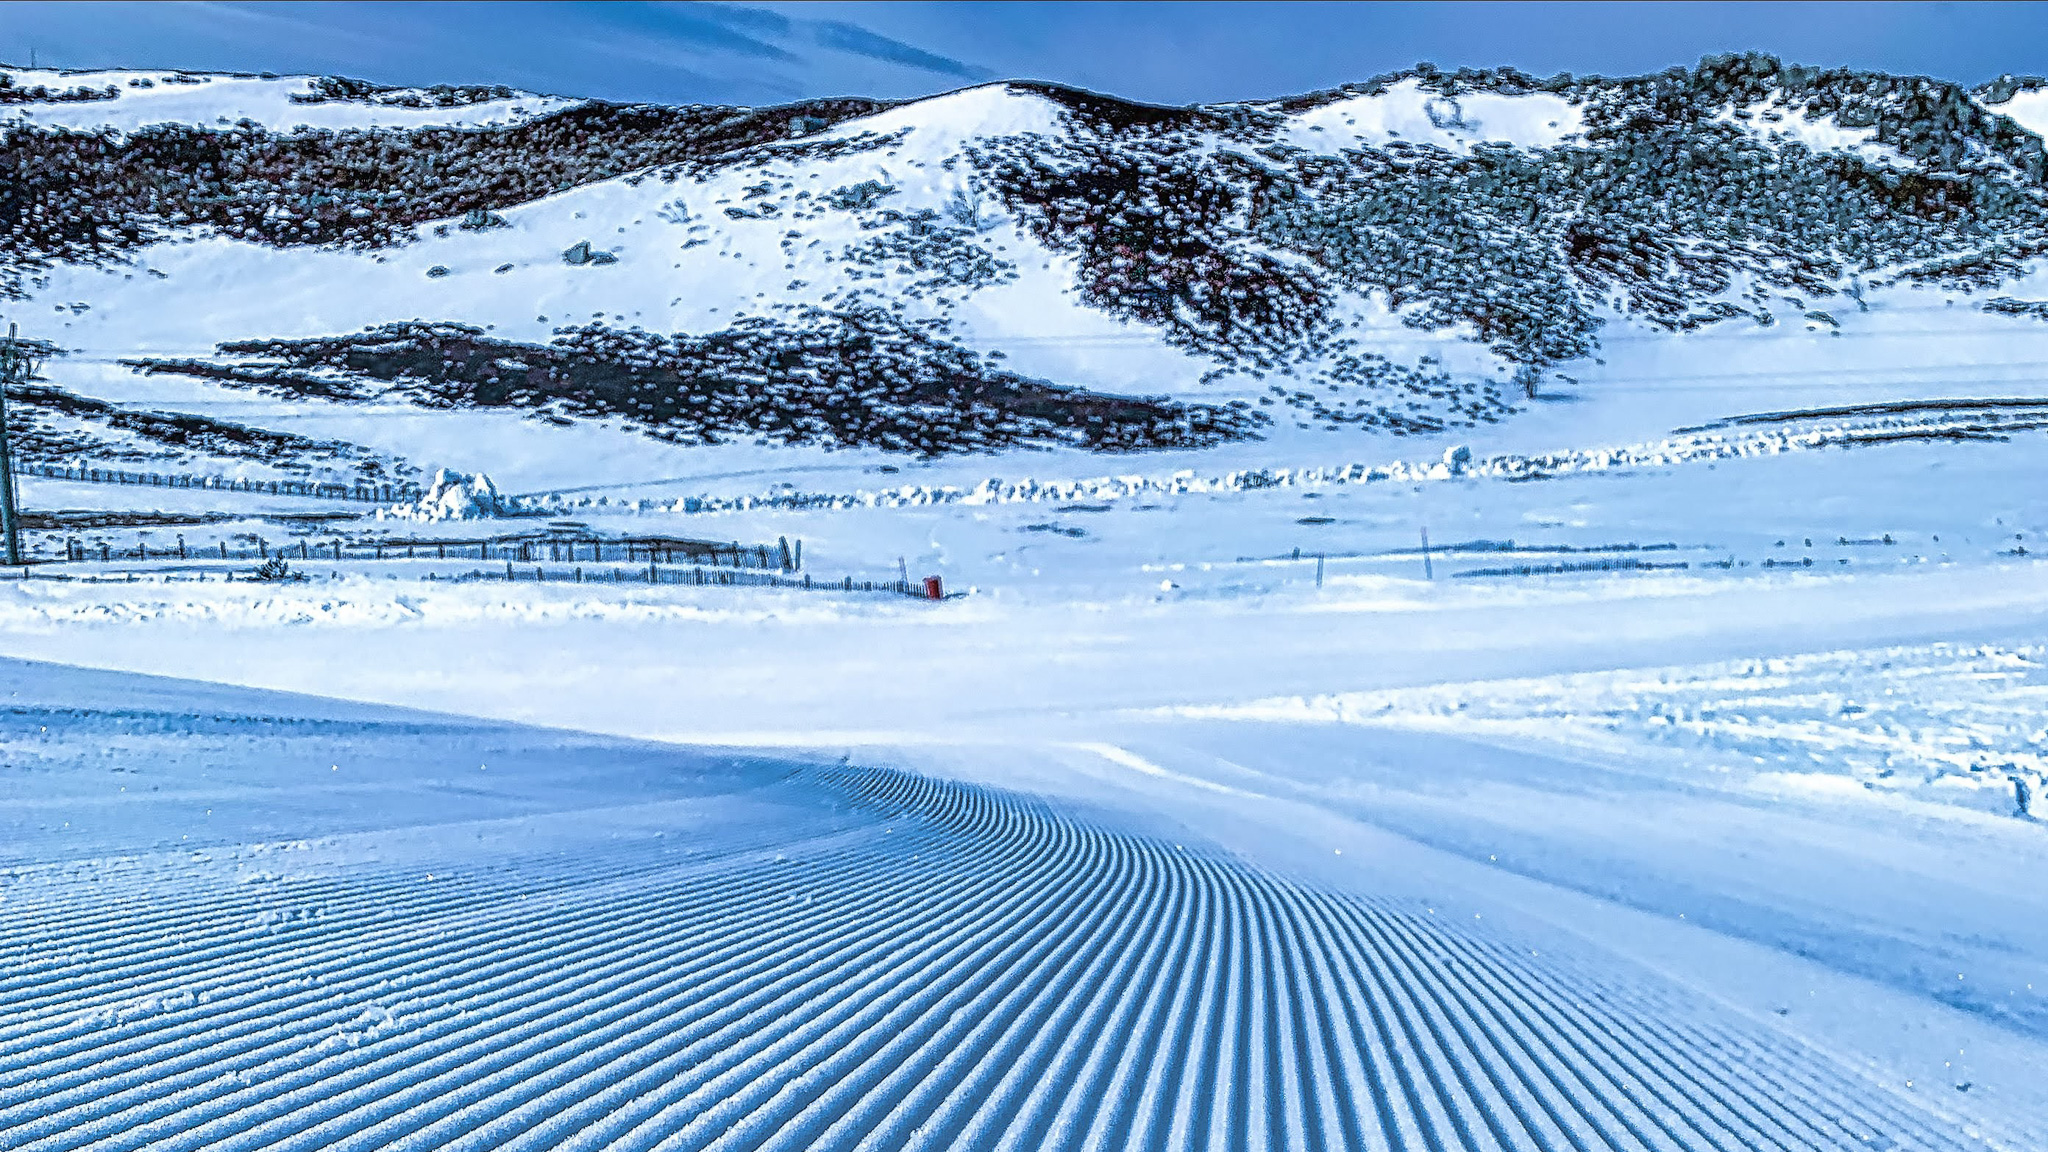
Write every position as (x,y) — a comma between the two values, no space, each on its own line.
(1642,806)
(1682,792)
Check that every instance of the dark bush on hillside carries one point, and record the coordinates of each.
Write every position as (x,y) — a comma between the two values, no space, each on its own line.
(861,379)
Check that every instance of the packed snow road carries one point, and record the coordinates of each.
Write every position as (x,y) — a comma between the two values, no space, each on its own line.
(234,920)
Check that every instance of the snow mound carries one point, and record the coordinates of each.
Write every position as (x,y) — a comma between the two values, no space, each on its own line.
(452,496)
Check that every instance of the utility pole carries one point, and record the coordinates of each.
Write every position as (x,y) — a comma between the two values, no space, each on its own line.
(16,366)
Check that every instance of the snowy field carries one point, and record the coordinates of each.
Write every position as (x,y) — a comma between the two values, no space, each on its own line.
(1149,841)
(1685,793)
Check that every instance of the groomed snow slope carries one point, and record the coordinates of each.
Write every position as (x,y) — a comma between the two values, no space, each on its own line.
(456,943)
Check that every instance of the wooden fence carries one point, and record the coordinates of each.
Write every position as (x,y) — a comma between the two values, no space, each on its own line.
(359,492)
(559,549)
(698,577)
(651,573)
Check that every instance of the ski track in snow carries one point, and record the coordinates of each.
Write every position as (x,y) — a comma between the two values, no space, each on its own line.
(912,964)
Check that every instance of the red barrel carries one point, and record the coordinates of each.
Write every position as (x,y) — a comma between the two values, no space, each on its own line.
(933,590)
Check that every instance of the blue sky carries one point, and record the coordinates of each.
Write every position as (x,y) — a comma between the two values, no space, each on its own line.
(1166,52)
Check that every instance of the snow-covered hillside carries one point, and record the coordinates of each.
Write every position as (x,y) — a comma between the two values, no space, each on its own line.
(127,101)
(1018,266)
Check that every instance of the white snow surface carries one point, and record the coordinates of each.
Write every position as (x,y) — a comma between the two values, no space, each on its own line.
(1406,112)
(2028,108)
(1776,119)
(1962,726)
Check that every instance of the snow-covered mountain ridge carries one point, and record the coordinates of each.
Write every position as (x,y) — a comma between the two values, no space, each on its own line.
(1010,265)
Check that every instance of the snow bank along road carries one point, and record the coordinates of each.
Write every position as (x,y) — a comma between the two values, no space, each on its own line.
(237,920)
